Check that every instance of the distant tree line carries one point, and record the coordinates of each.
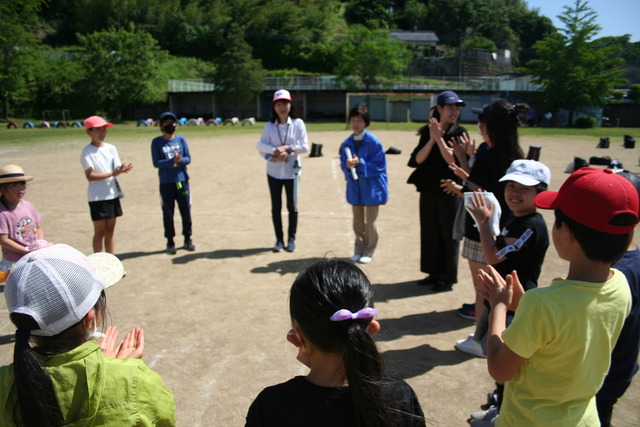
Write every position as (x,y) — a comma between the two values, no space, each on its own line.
(111,55)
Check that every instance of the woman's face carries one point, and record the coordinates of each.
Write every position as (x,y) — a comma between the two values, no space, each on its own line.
(449,113)
(282,107)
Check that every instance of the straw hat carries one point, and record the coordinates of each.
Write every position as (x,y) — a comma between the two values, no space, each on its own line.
(13,173)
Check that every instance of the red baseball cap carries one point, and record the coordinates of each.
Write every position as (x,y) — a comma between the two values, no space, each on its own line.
(96,122)
(593,197)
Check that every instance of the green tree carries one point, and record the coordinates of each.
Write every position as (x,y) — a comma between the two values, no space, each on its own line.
(370,13)
(572,72)
(634,93)
(17,33)
(238,77)
(122,69)
(368,56)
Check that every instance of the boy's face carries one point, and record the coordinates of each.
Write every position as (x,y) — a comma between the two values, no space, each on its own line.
(97,135)
(519,198)
(357,124)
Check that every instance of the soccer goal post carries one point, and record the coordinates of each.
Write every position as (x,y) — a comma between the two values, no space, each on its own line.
(393,107)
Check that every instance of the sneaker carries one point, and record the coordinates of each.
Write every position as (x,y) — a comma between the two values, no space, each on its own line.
(467,312)
(188,245)
(365,259)
(442,287)
(428,281)
(171,248)
(472,305)
(278,247)
(485,415)
(461,341)
(355,257)
(291,246)
(471,346)
(484,423)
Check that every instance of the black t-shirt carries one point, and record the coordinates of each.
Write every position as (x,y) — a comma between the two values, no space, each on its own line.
(298,402)
(531,230)
(428,174)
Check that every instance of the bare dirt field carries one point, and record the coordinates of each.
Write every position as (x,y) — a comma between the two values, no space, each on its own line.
(215,319)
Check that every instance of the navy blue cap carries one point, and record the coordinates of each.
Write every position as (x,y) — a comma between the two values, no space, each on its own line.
(450,97)
(167,114)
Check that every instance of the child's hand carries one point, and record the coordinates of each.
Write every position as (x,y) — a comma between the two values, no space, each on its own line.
(132,346)
(494,288)
(177,157)
(518,290)
(479,208)
(353,162)
(458,171)
(292,337)
(126,167)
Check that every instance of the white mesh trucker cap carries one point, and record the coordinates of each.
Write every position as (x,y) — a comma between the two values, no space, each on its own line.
(58,285)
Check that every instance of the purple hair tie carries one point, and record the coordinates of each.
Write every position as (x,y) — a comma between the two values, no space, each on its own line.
(345,314)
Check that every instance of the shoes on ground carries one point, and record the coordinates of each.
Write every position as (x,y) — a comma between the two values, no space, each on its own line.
(463,340)
(291,245)
(171,248)
(355,257)
(278,247)
(467,312)
(188,245)
(471,346)
(365,259)
(442,287)
(484,423)
(472,305)
(428,281)
(484,415)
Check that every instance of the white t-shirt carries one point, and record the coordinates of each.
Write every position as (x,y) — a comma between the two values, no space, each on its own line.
(102,159)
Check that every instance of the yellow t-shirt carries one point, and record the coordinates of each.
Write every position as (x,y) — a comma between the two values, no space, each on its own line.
(566,332)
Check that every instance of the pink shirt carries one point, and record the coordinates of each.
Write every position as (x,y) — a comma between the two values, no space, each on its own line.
(21,225)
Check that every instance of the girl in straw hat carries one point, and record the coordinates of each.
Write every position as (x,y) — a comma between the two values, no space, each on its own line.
(19,220)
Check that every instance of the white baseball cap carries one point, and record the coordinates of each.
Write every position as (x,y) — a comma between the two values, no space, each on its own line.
(281,94)
(58,285)
(528,172)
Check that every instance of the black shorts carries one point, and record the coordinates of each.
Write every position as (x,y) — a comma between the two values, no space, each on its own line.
(105,209)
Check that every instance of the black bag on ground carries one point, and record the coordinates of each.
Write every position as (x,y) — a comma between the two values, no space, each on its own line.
(629,142)
(604,160)
(604,143)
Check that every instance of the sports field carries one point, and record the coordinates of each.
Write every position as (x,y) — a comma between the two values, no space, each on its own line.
(215,319)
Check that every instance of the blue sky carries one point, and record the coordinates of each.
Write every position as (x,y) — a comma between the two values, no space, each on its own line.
(615,17)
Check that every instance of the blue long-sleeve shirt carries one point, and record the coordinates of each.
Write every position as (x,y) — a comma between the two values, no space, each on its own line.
(162,152)
(371,187)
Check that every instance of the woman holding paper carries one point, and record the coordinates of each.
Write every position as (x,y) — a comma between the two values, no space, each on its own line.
(364,164)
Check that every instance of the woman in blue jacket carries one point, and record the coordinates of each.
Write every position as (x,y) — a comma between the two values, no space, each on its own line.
(363,161)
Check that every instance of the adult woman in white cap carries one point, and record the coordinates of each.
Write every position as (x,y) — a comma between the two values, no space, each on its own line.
(283,139)
(20,224)
(55,297)
(431,158)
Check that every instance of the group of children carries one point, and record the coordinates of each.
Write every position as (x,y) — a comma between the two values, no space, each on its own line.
(552,358)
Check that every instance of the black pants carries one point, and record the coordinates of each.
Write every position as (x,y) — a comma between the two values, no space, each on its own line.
(438,249)
(275,189)
(171,193)
(605,410)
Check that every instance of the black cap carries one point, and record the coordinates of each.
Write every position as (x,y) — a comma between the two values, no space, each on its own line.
(166,115)
(450,97)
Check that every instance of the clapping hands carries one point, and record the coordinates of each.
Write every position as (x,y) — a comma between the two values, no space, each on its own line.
(132,346)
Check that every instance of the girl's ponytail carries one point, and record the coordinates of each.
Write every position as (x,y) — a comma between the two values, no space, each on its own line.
(36,397)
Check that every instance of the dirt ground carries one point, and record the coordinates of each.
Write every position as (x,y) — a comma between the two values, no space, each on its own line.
(215,319)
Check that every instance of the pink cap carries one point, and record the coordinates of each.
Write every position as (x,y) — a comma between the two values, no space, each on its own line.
(96,122)
(593,197)
(281,94)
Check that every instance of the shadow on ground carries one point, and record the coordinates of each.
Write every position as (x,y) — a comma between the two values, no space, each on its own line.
(387,291)
(286,266)
(7,339)
(431,323)
(412,362)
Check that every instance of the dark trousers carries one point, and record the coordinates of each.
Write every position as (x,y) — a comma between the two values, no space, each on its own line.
(605,410)
(438,249)
(169,194)
(275,189)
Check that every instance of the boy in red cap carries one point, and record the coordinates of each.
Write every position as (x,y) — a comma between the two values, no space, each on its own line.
(556,352)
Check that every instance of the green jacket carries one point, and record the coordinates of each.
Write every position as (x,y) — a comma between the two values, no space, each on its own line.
(94,390)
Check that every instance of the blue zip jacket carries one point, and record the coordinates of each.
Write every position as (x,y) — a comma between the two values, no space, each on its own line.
(371,187)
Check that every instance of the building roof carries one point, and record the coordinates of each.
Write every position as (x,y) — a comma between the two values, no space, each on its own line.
(415,37)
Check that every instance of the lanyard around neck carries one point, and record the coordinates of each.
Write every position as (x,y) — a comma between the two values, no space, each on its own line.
(286,134)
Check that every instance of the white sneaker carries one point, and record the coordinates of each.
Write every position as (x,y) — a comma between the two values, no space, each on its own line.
(471,346)
(365,260)
(485,415)
(461,341)
(355,258)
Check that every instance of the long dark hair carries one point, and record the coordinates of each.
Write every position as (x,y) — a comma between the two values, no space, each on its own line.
(274,116)
(36,396)
(502,120)
(317,293)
